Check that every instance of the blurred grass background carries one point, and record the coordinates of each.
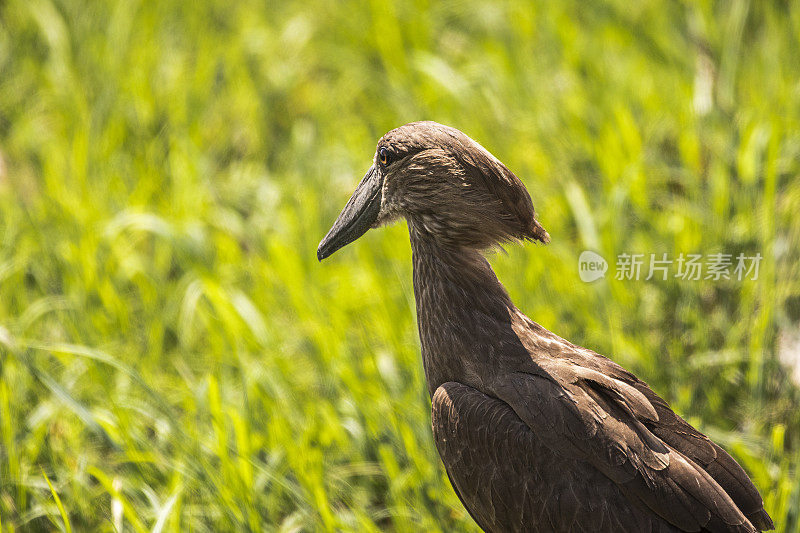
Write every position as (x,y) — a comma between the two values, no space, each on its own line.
(175,359)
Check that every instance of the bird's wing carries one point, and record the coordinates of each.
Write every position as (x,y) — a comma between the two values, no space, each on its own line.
(682,437)
(587,415)
(679,435)
(509,480)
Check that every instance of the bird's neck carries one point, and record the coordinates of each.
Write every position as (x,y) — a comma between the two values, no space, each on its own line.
(464,314)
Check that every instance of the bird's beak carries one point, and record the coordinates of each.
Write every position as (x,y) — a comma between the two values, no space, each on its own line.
(357,216)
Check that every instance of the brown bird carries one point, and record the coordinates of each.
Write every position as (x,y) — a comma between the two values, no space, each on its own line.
(536,433)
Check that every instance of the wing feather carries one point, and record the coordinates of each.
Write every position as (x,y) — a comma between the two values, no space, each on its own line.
(608,426)
(509,480)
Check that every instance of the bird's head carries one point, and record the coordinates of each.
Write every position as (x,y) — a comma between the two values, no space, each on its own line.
(446,185)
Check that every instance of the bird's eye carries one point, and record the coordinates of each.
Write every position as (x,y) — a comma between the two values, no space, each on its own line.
(383,156)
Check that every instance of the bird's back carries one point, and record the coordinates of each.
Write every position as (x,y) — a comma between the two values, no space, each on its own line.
(571,441)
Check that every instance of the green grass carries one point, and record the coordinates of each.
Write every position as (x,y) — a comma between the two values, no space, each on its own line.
(175,359)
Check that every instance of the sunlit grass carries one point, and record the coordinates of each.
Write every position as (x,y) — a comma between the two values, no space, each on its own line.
(173,356)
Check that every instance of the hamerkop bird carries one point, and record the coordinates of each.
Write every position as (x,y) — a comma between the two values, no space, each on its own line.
(536,433)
